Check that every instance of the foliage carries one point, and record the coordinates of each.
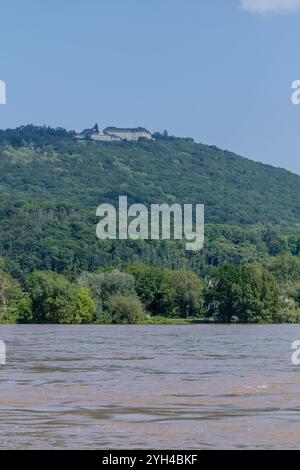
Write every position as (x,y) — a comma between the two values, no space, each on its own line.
(181,294)
(51,185)
(57,271)
(286,269)
(125,309)
(148,281)
(84,307)
(10,295)
(41,163)
(248,294)
(52,298)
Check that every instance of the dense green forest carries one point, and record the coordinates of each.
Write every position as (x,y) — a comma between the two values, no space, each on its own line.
(54,269)
(50,165)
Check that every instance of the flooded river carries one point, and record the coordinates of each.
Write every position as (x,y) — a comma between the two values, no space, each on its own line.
(124,387)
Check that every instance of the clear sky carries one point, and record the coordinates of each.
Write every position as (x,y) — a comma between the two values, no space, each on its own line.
(219,71)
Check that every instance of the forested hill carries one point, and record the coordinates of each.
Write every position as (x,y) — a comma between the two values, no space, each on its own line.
(44,164)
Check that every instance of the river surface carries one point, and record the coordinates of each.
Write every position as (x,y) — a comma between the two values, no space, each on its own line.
(126,387)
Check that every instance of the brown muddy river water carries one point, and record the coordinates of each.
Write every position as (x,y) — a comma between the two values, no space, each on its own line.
(125,387)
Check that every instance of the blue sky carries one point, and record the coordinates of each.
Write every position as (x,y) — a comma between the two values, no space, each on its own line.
(219,71)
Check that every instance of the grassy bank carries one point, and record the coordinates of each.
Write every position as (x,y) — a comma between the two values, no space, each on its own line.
(172,321)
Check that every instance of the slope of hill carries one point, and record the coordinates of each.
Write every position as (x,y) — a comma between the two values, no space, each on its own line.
(46,164)
(51,185)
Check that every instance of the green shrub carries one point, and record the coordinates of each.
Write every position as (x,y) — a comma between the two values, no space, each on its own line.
(125,309)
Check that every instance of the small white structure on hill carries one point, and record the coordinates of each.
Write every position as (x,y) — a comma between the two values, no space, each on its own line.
(111,134)
(128,133)
(101,137)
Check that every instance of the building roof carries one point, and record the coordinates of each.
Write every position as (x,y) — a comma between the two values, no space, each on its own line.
(126,129)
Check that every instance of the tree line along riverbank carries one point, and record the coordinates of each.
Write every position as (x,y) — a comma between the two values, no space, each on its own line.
(138,293)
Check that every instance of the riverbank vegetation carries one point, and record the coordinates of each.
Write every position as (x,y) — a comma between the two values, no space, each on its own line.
(156,295)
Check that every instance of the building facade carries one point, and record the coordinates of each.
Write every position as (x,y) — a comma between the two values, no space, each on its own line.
(112,134)
(101,137)
(128,133)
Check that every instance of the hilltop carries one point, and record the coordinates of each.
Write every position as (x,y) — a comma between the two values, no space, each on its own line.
(48,164)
